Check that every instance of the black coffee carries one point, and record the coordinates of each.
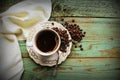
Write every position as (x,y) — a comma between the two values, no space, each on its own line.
(47,41)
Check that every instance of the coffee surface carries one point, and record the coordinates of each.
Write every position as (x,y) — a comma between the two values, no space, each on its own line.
(46,41)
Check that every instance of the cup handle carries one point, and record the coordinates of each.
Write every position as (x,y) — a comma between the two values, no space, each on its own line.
(29,44)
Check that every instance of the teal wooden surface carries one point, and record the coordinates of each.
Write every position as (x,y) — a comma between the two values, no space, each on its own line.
(102,38)
(100,58)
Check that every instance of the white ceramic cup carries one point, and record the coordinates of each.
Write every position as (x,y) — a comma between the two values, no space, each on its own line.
(39,38)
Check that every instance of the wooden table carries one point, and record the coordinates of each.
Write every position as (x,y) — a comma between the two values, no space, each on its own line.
(100,58)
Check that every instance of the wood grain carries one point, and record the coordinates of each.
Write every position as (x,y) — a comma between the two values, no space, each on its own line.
(75,68)
(92,8)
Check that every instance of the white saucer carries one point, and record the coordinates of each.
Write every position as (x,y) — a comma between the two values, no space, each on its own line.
(50,60)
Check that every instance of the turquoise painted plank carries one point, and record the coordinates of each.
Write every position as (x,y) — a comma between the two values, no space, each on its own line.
(97,49)
(79,62)
(73,76)
(74,69)
(24,52)
(94,8)
(82,62)
(101,28)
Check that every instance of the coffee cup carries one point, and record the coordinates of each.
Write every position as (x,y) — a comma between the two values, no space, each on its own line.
(45,42)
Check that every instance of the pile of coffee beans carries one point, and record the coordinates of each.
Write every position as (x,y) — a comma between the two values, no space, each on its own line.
(75,31)
(64,38)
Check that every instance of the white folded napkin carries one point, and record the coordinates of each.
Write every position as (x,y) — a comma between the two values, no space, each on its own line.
(15,24)
(10,55)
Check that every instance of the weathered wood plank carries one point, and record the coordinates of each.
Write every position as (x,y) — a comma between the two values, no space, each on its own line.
(94,8)
(102,37)
(96,27)
(97,49)
(72,76)
(24,52)
(75,69)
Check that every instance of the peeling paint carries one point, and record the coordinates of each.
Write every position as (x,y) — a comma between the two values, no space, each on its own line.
(63,68)
(113,51)
(37,69)
(91,45)
(90,69)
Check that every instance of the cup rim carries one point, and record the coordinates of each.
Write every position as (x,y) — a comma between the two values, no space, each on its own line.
(45,53)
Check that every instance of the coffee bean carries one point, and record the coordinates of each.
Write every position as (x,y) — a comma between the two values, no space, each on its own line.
(83,35)
(62,19)
(73,20)
(81,49)
(76,32)
(74,24)
(84,32)
(66,23)
(75,46)
(80,46)
(64,39)
(52,23)
(81,30)
(64,9)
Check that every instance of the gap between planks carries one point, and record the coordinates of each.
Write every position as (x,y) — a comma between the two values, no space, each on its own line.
(85,17)
(83,57)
